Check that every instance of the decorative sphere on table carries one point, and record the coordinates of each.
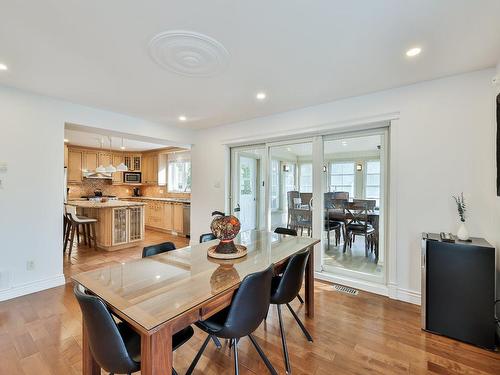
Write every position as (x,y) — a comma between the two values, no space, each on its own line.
(225,228)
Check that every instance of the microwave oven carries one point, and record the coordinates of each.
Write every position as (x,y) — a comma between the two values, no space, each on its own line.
(132,177)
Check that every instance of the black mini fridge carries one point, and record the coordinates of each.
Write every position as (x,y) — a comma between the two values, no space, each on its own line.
(458,289)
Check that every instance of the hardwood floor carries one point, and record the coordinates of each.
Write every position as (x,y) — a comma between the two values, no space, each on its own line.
(40,334)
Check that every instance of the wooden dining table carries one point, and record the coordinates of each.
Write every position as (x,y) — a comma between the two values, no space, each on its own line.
(160,295)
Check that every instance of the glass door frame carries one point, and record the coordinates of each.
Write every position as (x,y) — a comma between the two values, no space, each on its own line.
(234,180)
(383,207)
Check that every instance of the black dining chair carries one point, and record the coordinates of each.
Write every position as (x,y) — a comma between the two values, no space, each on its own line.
(149,251)
(115,346)
(284,289)
(207,237)
(289,232)
(246,312)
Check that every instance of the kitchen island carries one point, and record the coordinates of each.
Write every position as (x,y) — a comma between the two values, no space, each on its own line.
(120,224)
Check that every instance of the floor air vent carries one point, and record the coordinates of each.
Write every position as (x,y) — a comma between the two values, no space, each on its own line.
(345,289)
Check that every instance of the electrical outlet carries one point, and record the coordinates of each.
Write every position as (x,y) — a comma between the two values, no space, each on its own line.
(30,265)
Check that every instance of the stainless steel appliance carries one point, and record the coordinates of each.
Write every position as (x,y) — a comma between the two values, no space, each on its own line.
(137,192)
(458,289)
(132,177)
(187,219)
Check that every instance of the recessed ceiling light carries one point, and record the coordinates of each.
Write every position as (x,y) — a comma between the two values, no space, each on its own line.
(261,96)
(3,67)
(66,140)
(413,51)
(122,147)
(344,143)
(182,118)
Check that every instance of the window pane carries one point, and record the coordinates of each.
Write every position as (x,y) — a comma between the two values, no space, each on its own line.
(372,192)
(373,166)
(348,180)
(373,179)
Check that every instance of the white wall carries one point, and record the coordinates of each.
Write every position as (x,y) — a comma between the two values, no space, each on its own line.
(443,143)
(31,195)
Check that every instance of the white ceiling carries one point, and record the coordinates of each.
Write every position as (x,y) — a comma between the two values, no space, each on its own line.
(88,139)
(300,53)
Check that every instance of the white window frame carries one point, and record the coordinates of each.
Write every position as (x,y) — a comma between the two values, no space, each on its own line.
(173,160)
(365,182)
(352,191)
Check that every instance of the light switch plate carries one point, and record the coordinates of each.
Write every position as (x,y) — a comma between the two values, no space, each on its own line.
(3,166)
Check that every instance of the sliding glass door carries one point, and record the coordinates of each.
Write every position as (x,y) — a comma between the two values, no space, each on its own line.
(354,205)
(332,187)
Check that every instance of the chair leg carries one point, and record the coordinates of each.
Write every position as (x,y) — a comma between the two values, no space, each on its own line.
(66,236)
(262,355)
(283,341)
(346,239)
(198,356)
(95,235)
(300,299)
(84,227)
(235,355)
(72,238)
(366,246)
(216,342)
(174,372)
(301,325)
(77,234)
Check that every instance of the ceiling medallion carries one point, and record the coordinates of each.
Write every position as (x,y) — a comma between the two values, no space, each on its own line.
(189,53)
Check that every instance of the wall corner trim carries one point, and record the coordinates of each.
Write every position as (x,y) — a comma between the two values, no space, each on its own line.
(32,287)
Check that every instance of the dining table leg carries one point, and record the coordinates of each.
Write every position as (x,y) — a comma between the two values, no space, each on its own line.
(156,352)
(309,284)
(90,366)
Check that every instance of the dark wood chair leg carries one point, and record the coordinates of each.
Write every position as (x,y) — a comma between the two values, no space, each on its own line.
(198,356)
(77,233)
(85,236)
(72,237)
(262,355)
(94,235)
(283,341)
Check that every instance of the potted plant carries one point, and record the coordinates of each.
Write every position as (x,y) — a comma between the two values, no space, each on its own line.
(462,233)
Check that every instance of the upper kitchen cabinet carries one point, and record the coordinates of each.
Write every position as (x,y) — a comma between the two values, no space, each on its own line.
(90,160)
(133,162)
(75,165)
(117,176)
(150,168)
(105,158)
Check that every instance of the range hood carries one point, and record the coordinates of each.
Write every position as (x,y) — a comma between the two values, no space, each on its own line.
(97,175)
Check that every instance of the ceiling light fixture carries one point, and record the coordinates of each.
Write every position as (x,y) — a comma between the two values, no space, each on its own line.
(100,168)
(182,118)
(122,167)
(344,143)
(3,67)
(110,168)
(261,96)
(66,140)
(412,52)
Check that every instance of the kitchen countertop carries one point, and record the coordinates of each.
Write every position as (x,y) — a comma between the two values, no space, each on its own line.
(179,200)
(108,204)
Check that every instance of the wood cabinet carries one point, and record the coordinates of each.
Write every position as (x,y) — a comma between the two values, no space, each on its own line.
(178,217)
(75,160)
(150,169)
(90,161)
(164,215)
(105,158)
(119,226)
(117,176)
(133,162)
(127,225)
(66,156)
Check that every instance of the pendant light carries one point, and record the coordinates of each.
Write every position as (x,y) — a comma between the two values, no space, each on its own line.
(122,167)
(100,168)
(110,168)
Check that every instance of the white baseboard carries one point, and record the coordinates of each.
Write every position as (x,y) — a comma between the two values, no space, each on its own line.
(408,296)
(391,291)
(32,287)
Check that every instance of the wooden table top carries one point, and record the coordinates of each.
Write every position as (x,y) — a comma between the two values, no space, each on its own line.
(154,290)
(108,204)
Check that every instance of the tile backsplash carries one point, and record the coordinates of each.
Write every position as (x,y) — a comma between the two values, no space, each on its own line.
(88,186)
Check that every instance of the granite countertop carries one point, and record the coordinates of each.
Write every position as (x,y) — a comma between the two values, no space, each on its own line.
(108,204)
(179,200)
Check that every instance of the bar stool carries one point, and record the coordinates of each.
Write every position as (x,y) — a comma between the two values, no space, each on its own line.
(73,225)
